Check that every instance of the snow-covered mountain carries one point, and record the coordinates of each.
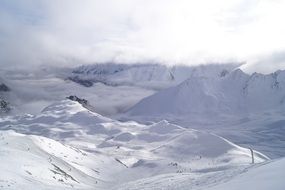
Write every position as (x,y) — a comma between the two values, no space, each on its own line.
(113,88)
(232,93)
(181,145)
(147,75)
(95,151)
(247,109)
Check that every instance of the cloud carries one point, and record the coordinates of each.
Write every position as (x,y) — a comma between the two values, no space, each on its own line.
(35,32)
(266,63)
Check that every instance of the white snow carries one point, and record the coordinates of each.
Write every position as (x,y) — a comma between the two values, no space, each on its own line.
(186,139)
(117,152)
(235,93)
(33,162)
(246,109)
(148,75)
(262,177)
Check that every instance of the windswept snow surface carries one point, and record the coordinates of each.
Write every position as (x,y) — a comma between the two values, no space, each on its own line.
(92,151)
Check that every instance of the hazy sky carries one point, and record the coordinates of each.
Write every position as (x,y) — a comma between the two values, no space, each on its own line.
(172,31)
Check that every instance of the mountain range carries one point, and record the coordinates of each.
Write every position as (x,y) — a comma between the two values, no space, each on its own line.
(142,126)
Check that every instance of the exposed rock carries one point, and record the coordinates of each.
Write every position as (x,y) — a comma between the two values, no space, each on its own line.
(224,73)
(79,100)
(86,83)
(4,88)
(4,106)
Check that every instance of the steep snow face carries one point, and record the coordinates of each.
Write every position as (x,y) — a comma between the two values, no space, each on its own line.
(266,91)
(155,75)
(119,152)
(234,93)
(33,162)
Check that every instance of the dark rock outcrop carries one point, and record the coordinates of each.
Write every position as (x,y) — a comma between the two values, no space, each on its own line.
(4,88)
(79,100)
(4,106)
(82,82)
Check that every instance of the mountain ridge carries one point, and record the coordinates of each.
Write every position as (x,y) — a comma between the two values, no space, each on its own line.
(138,74)
(233,93)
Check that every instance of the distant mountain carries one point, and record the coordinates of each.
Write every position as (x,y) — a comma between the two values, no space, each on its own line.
(144,74)
(232,93)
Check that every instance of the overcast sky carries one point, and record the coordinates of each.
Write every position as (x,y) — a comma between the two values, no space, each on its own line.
(35,32)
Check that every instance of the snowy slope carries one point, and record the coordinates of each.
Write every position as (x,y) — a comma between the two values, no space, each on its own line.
(116,152)
(262,177)
(258,178)
(235,93)
(40,163)
(246,109)
(67,146)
